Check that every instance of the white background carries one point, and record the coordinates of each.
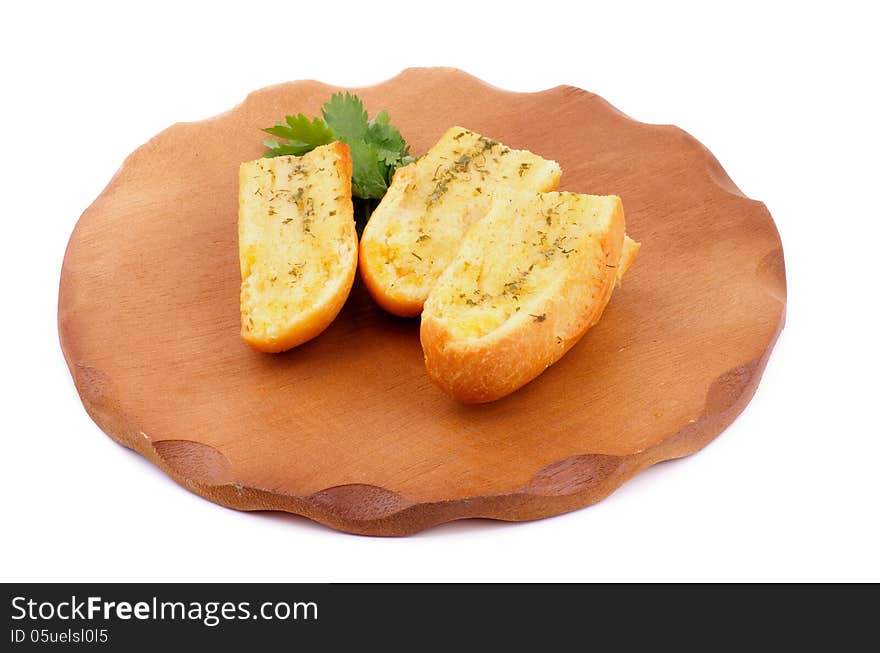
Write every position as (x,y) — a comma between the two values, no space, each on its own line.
(784,95)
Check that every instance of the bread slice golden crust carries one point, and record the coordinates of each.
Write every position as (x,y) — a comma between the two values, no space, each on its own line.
(418,226)
(526,284)
(627,257)
(297,245)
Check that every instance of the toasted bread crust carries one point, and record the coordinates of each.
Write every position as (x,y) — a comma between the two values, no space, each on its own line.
(627,257)
(318,317)
(370,256)
(488,368)
(311,324)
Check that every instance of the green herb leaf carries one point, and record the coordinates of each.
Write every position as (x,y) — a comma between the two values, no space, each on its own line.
(377,147)
(369,177)
(345,115)
(392,150)
(386,135)
(302,136)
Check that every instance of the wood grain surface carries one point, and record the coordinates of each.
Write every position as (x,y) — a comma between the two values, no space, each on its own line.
(347,429)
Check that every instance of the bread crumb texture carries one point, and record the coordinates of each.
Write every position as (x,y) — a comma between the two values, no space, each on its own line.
(297,245)
(418,227)
(522,253)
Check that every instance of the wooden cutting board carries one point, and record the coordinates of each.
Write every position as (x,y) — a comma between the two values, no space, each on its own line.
(347,429)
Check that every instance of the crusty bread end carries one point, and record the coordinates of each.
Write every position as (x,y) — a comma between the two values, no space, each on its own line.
(627,257)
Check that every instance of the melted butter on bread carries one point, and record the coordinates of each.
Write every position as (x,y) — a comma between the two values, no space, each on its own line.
(417,228)
(297,245)
(510,260)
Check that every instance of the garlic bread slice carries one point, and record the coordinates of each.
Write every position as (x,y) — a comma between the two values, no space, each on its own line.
(528,280)
(297,245)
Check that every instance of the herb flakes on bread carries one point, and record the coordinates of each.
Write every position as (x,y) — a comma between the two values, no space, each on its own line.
(415,231)
(297,245)
(527,282)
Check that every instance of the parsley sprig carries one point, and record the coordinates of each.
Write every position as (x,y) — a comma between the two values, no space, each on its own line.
(377,148)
